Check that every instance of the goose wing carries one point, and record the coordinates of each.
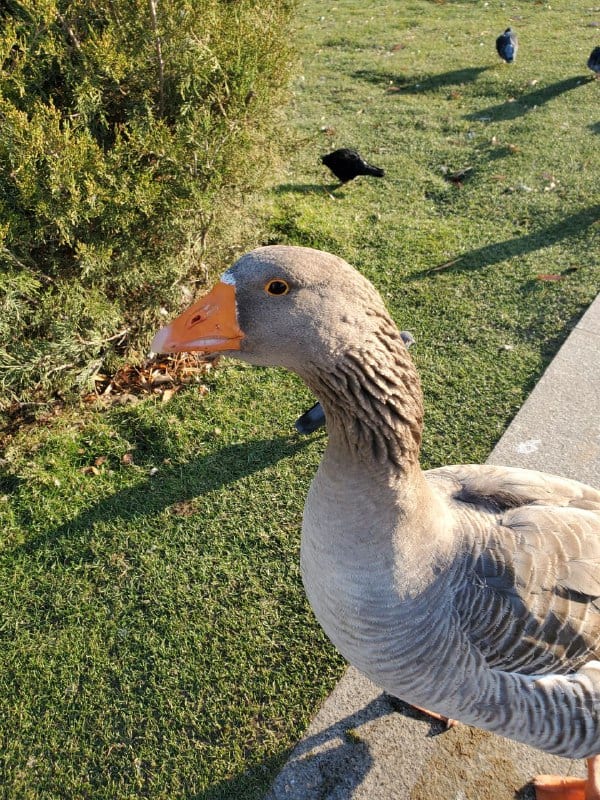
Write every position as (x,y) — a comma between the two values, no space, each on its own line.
(528,596)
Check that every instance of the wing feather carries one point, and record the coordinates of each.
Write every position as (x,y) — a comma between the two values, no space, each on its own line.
(529,598)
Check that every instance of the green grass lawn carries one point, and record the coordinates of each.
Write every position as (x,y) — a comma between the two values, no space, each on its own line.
(155,639)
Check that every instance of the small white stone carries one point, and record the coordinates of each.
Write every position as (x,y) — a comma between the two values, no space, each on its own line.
(529,446)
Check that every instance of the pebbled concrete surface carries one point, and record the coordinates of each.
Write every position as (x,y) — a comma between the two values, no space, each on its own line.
(558,428)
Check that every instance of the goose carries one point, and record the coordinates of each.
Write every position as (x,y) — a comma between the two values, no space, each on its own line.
(507,46)
(473,590)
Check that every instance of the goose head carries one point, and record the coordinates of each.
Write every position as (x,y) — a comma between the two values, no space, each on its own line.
(280,306)
(312,313)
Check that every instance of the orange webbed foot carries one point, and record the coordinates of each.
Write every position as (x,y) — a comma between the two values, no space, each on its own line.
(557,787)
(448,722)
(398,705)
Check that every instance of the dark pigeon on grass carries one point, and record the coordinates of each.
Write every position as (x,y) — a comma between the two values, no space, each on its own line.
(314,418)
(347,164)
(593,61)
(311,420)
(507,46)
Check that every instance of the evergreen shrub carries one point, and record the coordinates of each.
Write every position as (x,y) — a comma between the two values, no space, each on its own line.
(125,126)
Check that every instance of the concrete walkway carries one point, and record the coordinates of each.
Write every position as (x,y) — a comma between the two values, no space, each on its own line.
(357,747)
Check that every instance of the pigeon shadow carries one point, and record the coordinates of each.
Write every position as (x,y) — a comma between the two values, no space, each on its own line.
(525,102)
(175,483)
(419,84)
(492,254)
(306,188)
(595,127)
(498,153)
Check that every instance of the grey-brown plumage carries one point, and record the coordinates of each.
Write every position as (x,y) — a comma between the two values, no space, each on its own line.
(471,590)
(314,417)
(347,164)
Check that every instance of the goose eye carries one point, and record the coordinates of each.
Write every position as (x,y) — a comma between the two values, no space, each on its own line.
(277,287)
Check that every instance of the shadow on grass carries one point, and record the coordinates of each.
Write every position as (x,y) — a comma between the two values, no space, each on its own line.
(498,153)
(520,245)
(524,103)
(307,188)
(337,765)
(174,483)
(423,83)
(595,127)
(331,763)
(252,784)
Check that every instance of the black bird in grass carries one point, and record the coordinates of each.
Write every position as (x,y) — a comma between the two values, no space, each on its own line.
(346,164)
(593,61)
(314,418)
(311,420)
(507,46)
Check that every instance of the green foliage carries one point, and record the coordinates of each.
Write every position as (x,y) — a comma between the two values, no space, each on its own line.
(125,126)
(155,639)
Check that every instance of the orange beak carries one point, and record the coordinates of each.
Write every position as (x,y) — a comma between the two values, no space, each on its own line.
(209,326)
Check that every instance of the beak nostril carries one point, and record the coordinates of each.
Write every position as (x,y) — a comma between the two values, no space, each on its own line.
(209,326)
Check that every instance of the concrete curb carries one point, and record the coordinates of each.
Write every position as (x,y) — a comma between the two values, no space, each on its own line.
(357,746)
